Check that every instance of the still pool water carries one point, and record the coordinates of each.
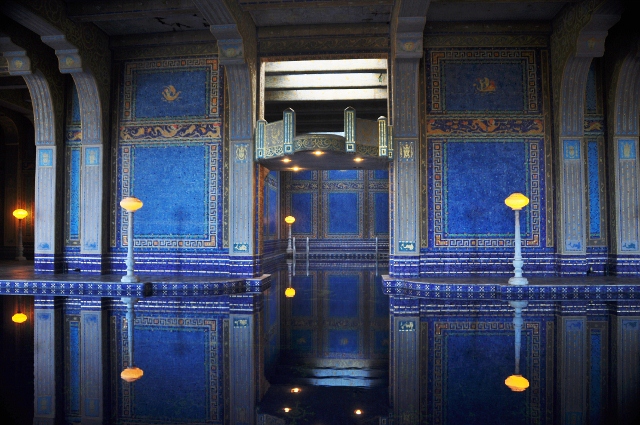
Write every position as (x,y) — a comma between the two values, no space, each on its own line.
(348,348)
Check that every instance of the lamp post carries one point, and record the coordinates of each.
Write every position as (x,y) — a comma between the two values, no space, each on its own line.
(289,220)
(20,214)
(517,201)
(130,373)
(516,381)
(132,205)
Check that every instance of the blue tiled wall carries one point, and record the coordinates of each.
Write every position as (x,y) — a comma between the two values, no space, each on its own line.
(480,85)
(171,157)
(348,205)
(171,93)
(173,182)
(480,175)
(486,139)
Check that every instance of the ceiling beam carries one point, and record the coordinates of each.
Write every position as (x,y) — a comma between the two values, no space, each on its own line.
(252,5)
(106,10)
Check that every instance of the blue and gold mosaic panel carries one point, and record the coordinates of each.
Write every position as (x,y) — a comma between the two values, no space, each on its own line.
(178,184)
(184,352)
(171,89)
(469,181)
(483,80)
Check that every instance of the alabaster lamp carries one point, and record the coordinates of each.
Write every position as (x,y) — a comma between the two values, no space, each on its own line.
(289,220)
(20,214)
(132,205)
(517,201)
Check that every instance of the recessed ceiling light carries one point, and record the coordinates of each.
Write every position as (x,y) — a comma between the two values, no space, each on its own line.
(318,153)
(296,168)
(286,160)
(295,390)
(358,159)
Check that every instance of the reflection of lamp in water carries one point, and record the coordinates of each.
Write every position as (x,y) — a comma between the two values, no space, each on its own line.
(517,201)
(132,205)
(20,214)
(289,292)
(130,373)
(516,381)
(289,220)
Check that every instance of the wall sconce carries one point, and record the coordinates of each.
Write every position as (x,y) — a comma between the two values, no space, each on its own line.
(19,317)
(20,214)
(517,382)
(517,201)
(289,220)
(130,373)
(132,205)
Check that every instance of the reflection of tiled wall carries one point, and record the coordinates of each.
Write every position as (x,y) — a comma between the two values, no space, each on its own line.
(181,347)
(485,139)
(271,321)
(339,315)
(466,362)
(170,156)
(348,204)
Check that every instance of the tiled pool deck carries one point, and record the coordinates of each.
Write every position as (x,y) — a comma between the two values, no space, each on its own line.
(18,278)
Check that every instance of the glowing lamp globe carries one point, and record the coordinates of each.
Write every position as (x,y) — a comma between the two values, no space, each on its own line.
(19,318)
(289,292)
(289,219)
(20,213)
(131,374)
(517,383)
(131,204)
(517,201)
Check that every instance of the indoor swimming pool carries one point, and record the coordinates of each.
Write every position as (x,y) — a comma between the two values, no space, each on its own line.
(352,346)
